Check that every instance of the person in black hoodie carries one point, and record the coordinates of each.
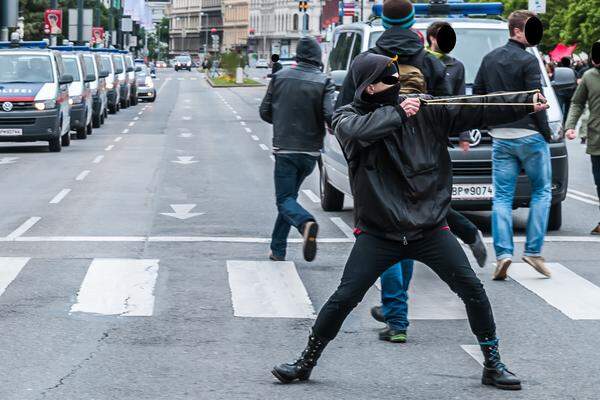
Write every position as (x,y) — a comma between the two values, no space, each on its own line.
(399,40)
(401,177)
(298,102)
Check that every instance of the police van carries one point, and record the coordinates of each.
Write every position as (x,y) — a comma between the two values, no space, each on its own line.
(93,65)
(34,95)
(131,77)
(79,93)
(113,89)
(476,36)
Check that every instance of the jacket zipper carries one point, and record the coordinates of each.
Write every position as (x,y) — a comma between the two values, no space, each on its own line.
(404,241)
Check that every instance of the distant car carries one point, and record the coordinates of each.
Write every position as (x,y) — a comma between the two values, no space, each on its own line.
(183,62)
(262,63)
(288,62)
(145,85)
(161,64)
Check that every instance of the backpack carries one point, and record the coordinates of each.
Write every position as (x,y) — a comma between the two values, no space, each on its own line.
(412,80)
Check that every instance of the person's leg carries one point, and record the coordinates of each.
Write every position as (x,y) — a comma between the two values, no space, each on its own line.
(296,168)
(444,255)
(281,230)
(466,231)
(285,176)
(596,173)
(505,168)
(394,300)
(534,155)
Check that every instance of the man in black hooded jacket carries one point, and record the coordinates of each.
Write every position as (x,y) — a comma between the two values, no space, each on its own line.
(400,174)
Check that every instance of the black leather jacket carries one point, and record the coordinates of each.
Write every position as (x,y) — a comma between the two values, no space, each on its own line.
(299,101)
(400,170)
(512,68)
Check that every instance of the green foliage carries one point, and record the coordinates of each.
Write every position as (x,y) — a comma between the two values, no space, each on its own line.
(230,61)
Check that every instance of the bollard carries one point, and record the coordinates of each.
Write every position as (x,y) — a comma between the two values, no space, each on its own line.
(239,76)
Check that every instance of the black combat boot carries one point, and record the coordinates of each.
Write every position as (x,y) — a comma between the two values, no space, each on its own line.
(495,372)
(303,366)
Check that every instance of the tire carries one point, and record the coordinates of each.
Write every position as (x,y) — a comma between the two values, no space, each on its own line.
(90,129)
(65,139)
(112,109)
(55,145)
(555,217)
(151,100)
(331,198)
(103,118)
(96,120)
(81,133)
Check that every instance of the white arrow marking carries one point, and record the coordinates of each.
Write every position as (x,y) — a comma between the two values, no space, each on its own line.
(186,135)
(185,160)
(182,211)
(8,160)
(187,118)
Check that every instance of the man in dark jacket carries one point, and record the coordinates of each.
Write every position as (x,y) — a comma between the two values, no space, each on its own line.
(275,64)
(519,145)
(298,102)
(400,175)
(399,40)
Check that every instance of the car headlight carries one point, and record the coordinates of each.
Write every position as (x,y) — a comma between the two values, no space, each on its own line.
(77,99)
(149,82)
(45,105)
(70,101)
(557,130)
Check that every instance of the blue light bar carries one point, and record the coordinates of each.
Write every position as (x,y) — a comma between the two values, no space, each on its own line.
(70,48)
(459,8)
(105,50)
(26,45)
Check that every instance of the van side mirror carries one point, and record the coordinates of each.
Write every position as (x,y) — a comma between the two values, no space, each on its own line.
(118,70)
(129,69)
(337,77)
(103,73)
(65,79)
(90,78)
(138,69)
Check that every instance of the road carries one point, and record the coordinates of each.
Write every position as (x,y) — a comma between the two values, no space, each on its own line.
(132,266)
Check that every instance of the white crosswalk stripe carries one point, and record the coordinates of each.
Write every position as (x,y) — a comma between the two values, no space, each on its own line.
(263,289)
(114,286)
(10,267)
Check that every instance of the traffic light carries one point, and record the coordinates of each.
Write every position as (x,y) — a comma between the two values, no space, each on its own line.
(302,6)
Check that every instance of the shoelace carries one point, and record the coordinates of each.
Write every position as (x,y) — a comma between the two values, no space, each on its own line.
(495,359)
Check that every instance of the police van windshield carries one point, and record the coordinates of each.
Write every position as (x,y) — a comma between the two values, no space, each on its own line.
(106,64)
(71,67)
(25,69)
(471,46)
(89,64)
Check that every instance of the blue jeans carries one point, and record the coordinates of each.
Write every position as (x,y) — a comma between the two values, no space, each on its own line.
(394,294)
(509,157)
(290,172)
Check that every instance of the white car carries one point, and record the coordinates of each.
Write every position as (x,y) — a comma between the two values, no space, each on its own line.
(262,63)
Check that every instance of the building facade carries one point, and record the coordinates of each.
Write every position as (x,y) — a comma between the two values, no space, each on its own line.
(196,26)
(236,14)
(276,26)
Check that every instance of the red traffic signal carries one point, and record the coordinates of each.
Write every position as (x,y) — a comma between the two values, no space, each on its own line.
(213,30)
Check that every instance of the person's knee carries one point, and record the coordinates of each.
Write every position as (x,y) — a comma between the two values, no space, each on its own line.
(469,289)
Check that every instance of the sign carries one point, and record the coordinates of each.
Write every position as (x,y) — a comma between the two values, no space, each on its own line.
(97,34)
(53,22)
(133,41)
(88,16)
(126,24)
(537,6)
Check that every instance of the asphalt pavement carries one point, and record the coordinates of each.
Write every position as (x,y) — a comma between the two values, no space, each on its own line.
(133,265)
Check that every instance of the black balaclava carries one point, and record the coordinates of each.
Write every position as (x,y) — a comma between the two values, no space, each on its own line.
(388,96)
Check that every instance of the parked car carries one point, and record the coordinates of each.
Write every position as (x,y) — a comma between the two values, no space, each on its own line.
(262,63)
(111,82)
(146,89)
(472,171)
(93,64)
(131,70)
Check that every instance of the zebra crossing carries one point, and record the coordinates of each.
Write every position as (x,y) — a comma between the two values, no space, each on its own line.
(125,287)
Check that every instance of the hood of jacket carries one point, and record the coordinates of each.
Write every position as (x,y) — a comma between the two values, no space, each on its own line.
(366,68)
(399,41)
(308,50)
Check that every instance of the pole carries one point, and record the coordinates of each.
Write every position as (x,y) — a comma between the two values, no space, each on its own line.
(9,12)
(80,21)
(206,35)
(97,15)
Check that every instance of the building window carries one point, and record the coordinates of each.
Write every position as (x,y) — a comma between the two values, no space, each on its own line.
(295,22)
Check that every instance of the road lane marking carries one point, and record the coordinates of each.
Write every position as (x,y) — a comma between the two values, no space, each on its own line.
(60,196)
(140,113)
(233,111)
(118,139)
(132,123)
(429,298)
(194,79)
(264,146)
(182,211)
(10,267)
(136,118)
(118,286)
(186,118)
(98,159)
(582,194)
(186,135)
(474,351)
(8,160)
(574,296)
(187,101)
(248,130)
(82,175)
(184,160)
(583,199)
(109,147)
(310,194)
(242,123)
(264,289)
(24,227)
(254,137)
(238,117)
(272,157)
(343,226)
(125,131)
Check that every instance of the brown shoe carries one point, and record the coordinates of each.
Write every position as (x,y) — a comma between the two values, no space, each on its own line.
(273,257)
(596,230)
(501,269)
(309,234)
(539,264)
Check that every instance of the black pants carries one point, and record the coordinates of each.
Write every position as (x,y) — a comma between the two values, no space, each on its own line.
(596,172)
(461,226)
(371,256)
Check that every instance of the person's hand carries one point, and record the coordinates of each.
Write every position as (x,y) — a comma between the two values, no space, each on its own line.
(571,134)
(464,145)
(539,103)
(411,106)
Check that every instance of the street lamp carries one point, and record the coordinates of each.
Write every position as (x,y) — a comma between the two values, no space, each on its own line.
(203,14)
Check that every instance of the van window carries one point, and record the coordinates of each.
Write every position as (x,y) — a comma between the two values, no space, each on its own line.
(71,68)
(356,47)
(106,64)
(88,62)
(25,69)
(339,56)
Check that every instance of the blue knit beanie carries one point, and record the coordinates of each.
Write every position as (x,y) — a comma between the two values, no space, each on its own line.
(398,13)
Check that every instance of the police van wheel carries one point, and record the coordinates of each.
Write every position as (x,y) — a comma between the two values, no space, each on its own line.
(65,139)
(331,198)
(90,129)
(82,133)
(555,217)
(96,120)
(54,145)
(112,109)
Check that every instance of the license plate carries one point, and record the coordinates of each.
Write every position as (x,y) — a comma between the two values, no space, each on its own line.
(11,132)
(472,191)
